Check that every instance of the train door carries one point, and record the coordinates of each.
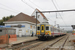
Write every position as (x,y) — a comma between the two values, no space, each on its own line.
(20,33)
(42,29)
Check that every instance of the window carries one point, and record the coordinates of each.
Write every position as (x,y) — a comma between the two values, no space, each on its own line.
(38,16)
(0,30)
(51,29)
(42,28)
(38,28)
(47,27)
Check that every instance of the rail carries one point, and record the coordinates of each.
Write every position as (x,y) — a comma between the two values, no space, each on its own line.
(47,47)
(61,47)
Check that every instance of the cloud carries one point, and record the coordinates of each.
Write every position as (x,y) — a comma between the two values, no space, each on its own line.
(45,5)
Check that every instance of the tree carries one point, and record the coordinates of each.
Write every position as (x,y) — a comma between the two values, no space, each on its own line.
(1,22)
(11,16)
(5,19)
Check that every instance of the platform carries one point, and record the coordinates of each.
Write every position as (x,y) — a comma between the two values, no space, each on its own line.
(3,45)
(23,39)
(72,38)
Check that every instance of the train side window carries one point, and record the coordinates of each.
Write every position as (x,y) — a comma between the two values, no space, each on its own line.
(47,27)
(51,29)
(0,30)
(38,28)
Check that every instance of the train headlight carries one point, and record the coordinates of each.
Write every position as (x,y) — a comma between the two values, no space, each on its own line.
(38,33)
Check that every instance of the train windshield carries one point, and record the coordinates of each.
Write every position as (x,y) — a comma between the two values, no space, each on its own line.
(47,27)
(38,28)
(42,28)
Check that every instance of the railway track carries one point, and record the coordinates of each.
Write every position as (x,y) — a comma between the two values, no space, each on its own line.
(33,45)
(58,45)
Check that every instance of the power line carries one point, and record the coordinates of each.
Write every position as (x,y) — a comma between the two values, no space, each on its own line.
(7,6)
(7,10)
(27,4)
(50,19)
(57,9)
(38,6)
(54,4)
(31,6)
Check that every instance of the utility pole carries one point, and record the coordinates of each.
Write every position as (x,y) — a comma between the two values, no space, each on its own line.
(55,23)
(58,26)
(36,22)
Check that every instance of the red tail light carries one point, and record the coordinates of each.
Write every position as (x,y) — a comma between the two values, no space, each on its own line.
(37,33)
(46,33)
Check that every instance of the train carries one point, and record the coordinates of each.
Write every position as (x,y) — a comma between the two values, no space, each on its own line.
(46,31)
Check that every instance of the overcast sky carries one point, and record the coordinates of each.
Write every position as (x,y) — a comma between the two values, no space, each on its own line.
(13,7)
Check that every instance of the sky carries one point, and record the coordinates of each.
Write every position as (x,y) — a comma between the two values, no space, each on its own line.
(14,7)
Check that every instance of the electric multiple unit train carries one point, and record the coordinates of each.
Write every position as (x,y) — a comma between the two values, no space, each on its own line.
(45,30)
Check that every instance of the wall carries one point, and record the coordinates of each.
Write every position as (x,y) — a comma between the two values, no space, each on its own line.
(25,31)
(4,31)
(40,19)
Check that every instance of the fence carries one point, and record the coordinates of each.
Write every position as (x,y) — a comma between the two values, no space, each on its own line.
(7,35)
(4,31)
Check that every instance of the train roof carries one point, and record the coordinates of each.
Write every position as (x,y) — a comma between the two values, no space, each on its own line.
(47,24)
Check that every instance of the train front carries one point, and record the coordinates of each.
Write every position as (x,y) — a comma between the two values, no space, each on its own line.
(43,31)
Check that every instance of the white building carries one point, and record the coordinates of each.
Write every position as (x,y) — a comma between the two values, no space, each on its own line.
(28,21)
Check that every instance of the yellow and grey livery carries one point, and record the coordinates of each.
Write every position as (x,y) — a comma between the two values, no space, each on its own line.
(45,30)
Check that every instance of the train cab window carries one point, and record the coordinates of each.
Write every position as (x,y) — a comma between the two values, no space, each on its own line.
(38,28)
(47,27)
(0,30)
(42,28)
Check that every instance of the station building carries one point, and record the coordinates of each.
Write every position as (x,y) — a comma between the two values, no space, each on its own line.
(25,20)
(40,16)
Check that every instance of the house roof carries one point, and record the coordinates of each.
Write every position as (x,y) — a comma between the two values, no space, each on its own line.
(23,17)
(41,14)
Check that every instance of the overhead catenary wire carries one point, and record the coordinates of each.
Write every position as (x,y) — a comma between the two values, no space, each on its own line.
(8,10)
(50,19)
(9,7)
(35,4)
(27,4)
(39,7)
(57,9)
(30,5)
